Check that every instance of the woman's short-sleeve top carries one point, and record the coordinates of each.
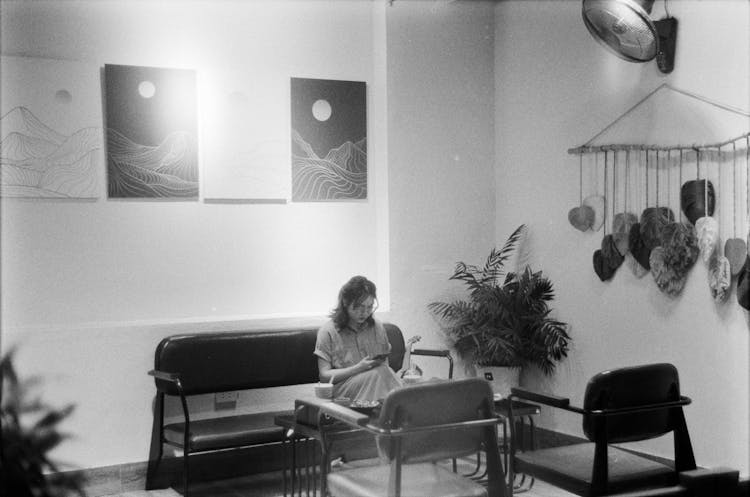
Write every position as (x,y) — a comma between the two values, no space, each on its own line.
(346,347)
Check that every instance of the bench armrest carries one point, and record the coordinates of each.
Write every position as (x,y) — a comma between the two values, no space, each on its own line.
(163,375)
(445,353)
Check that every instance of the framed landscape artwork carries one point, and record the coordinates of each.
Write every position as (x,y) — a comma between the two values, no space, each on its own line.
(51,129)
(329,140)
(244,144)
(152,139)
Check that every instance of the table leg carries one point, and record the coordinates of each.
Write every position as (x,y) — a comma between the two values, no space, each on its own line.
(284,457)
(521,487)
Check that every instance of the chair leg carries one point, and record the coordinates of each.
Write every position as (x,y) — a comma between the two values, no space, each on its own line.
(600,472)
(185,477)
(156,450)
(683,450)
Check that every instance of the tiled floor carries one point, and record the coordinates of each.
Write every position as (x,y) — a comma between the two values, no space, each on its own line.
(269,485)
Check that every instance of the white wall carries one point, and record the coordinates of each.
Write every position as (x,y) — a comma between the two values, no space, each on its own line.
(117,256)
(441,146)
(88,301)
(556,89)
(88,288)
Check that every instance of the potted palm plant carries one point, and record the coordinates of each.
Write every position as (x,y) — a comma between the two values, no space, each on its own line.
(506,319)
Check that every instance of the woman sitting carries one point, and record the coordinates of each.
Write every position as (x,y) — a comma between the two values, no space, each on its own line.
(353,347)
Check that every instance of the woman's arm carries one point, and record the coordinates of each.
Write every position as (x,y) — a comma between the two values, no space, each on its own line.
(325,371)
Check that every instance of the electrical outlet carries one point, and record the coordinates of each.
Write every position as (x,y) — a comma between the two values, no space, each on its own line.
(226,397)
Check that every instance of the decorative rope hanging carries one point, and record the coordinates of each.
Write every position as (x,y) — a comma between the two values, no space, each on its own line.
(735,249)
(580,179)
(706,227)
(605,193)
(657,177)
(588,148)
(627,178)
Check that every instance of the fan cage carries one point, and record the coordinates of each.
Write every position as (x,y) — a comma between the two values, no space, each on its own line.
(623,27)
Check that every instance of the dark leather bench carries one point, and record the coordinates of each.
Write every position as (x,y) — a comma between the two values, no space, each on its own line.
(207,363)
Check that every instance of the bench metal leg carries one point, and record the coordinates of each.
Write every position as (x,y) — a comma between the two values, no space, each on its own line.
(185,478)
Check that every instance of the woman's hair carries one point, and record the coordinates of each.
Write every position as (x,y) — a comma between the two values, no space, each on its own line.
(354,291)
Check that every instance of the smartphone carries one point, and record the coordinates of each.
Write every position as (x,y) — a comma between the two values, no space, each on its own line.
(381,357)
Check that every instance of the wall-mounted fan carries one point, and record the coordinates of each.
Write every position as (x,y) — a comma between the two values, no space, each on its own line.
(625,28)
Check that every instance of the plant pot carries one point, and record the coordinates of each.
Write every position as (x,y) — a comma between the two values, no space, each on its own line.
(501,378)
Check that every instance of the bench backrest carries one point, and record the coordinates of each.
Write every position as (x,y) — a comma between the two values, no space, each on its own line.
(242,360)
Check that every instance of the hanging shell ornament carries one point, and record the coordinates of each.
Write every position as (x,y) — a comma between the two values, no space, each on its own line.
(653,221)
(601,266)
(680,246)
(639,251)
(707,230)
(621,225)
(668,279)
(735,250)
(610,253)
(697,199)
(719,277)
(743,286)
(582,217)
(595,203)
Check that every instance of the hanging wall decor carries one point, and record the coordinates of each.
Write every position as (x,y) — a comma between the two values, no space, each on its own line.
(329,140)
(51,129)
(152,138)
(659,240)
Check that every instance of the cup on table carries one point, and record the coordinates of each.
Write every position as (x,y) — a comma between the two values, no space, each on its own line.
(410,379)
(324,391)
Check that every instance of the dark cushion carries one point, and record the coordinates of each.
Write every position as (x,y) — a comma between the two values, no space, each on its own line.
(573,465)
(228,432)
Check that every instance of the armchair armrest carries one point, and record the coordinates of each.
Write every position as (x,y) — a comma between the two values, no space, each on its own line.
(336,411)
(546,399)
(643,408)
(550,400)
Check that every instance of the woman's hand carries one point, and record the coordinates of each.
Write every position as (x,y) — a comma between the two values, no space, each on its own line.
(369,363)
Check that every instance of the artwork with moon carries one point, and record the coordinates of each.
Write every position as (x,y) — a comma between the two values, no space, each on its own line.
(51,129)
(329,140)
(152,139)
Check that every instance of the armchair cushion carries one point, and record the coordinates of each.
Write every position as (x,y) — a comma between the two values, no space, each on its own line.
(573,464)
(417,479)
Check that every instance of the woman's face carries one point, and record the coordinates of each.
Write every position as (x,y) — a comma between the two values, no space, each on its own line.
(360,311)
